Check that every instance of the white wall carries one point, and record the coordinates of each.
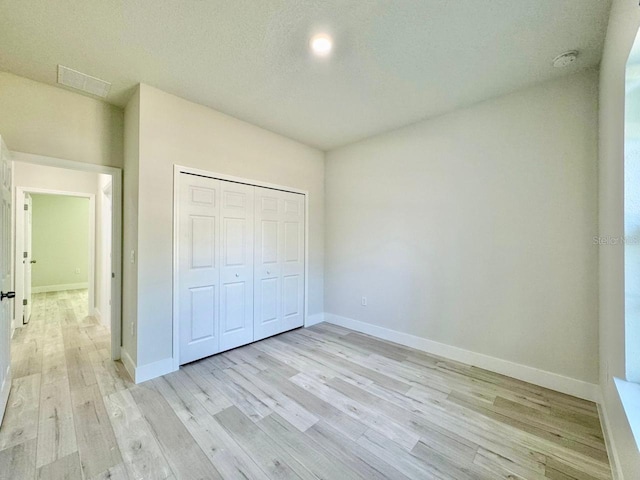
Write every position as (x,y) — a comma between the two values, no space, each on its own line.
(45,120)
(175,131)
(475,229)
(130,226)
(623,26)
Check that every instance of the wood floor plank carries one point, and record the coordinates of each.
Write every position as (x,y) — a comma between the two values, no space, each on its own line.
(56,431)
(178,446)
(64,468)
(18,461)
(20,422)
(96,441)
(139,448)
(276,462)
(339,420)
(274,399)
(222,450)
(305,450)
(359,459)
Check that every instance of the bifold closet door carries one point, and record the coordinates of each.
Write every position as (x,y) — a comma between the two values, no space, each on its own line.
(198,266)
(215,266)
(279,262)
(236,266)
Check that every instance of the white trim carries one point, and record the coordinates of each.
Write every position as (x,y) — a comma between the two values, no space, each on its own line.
(553,381)
(146,372)
(128,363)
(116,232)
(177,170)
(314,319)
(612,452)
(60,288)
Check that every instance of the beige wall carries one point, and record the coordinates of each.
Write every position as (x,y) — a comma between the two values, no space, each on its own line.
(474,229)
(45,120)
(623,26)
(60,241)
(175,131)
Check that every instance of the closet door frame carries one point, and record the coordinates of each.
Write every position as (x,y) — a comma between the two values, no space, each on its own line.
(177,171)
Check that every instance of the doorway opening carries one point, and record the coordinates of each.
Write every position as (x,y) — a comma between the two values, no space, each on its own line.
(55,235)
(67,261)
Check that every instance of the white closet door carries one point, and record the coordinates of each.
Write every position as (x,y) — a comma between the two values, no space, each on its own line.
(236,269)
(279,257)
(198,266)
(293,260)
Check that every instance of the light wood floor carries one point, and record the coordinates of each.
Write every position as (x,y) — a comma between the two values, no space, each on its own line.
(323,402)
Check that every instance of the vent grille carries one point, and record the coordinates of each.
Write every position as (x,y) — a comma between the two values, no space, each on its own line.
(82,81)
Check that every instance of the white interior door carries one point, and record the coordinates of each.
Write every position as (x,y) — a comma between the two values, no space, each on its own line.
(236,268)
(27,258)
(5,278)
(198,267)
(279,262)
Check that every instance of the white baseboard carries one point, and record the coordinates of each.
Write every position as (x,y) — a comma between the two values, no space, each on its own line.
(129,366)
(146,372)
(314,319)
(543,378)
(616,469)
(60,288)
(155,369)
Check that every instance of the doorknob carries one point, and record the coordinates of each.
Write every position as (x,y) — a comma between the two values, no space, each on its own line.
(33,261)
(237,275)
(7,295)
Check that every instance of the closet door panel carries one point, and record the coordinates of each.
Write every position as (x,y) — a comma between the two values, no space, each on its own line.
(279,278)
(293,260)
(236,270)
(198,269)
(268,284)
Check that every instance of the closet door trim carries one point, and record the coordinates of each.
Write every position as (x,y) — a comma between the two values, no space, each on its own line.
(177,171)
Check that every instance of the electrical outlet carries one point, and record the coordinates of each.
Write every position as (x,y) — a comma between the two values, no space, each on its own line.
(132,256)
(364,301)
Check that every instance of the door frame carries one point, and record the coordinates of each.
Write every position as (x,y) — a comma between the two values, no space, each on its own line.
(19,243)
(177,170)
(116,233)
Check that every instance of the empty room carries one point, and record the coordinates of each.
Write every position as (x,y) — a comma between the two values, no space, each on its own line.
(320,239)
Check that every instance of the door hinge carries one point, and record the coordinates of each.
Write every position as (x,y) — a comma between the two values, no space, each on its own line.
(25,254)
(26,206)
(24,302)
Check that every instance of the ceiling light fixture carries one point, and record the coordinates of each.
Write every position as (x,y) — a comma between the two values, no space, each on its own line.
(565,59)
(321,44)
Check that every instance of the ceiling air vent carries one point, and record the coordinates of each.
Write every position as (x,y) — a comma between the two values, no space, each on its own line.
(82,81)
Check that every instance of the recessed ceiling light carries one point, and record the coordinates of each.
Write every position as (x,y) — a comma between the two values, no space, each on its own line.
(565,59)
(321,44)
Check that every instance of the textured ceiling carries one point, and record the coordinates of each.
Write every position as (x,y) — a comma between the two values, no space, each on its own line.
(394,62)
